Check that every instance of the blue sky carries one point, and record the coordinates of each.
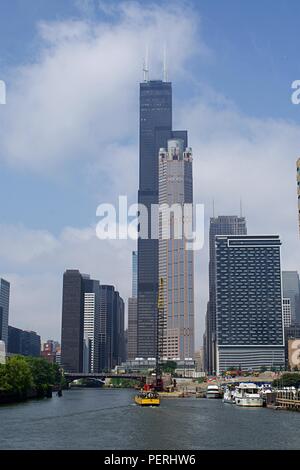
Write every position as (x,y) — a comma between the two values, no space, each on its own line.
(232,64)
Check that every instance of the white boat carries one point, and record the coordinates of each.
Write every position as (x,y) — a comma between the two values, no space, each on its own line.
(247,394)
(213,391)
(229,396)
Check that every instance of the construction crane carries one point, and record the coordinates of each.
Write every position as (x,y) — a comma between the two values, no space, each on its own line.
(160,327)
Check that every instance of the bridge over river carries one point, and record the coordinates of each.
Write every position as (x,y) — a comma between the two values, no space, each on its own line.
(70,376)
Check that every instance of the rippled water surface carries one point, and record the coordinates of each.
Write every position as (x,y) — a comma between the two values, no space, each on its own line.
(108,419)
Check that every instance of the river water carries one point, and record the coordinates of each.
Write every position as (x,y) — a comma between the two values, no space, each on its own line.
(108,419)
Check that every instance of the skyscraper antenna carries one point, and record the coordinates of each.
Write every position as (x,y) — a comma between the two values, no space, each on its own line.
(165,68)
(213,207)
(146,65)
(241,208)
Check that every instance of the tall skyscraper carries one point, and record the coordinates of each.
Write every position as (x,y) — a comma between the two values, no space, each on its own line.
(112,334)
(91,324)
(222,225)
(4,310)
(155,130)
(291,290)
(72,332)
(176,262)
(132,312)
(250,332)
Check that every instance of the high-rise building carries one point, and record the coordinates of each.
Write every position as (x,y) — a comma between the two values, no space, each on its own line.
(222,225)
(155,130)
(132,312)
(287,312)
(91,331)
(26,343)
(291,290)
(112,333)
(72,331)
(4,310)
(176,261)
(250,332)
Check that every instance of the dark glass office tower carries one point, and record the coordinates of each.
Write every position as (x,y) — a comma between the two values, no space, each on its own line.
(222,225)
(112,339)
(72,321)
(250,331)
(155,130)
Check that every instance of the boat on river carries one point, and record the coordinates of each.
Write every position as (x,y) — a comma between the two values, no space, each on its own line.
(248,394)
(213,391)
(229,396)
(147,398)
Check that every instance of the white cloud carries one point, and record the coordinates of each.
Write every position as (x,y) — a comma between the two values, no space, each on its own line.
(80,93)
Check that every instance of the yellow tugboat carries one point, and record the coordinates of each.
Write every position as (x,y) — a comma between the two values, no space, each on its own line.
(147,398)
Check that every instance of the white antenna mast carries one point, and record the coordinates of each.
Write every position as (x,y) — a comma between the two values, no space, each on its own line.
(165,69)
(146,65)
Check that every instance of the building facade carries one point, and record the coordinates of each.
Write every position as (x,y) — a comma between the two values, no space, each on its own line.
(132,329)
(134,289)
(132,311)
(291,290)
(72,331)
(26,343)
(176,261)
(287,312)
(222,225)
(155,130)
(49,350)
(4,309)
(91,331)
(250,332)
(112,332)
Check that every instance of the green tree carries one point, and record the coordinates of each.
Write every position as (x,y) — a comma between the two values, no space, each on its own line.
(16,376)
(169,367)
(43,373)
(288,380)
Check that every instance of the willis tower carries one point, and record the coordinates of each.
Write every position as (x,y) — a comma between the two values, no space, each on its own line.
(155,131)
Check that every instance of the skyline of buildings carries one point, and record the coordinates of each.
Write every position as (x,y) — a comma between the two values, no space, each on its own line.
(93,325)
(93,333)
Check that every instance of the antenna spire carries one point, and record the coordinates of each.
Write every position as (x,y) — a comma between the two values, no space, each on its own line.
(241,208)
(165,69)
(146,65)
(213,207)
